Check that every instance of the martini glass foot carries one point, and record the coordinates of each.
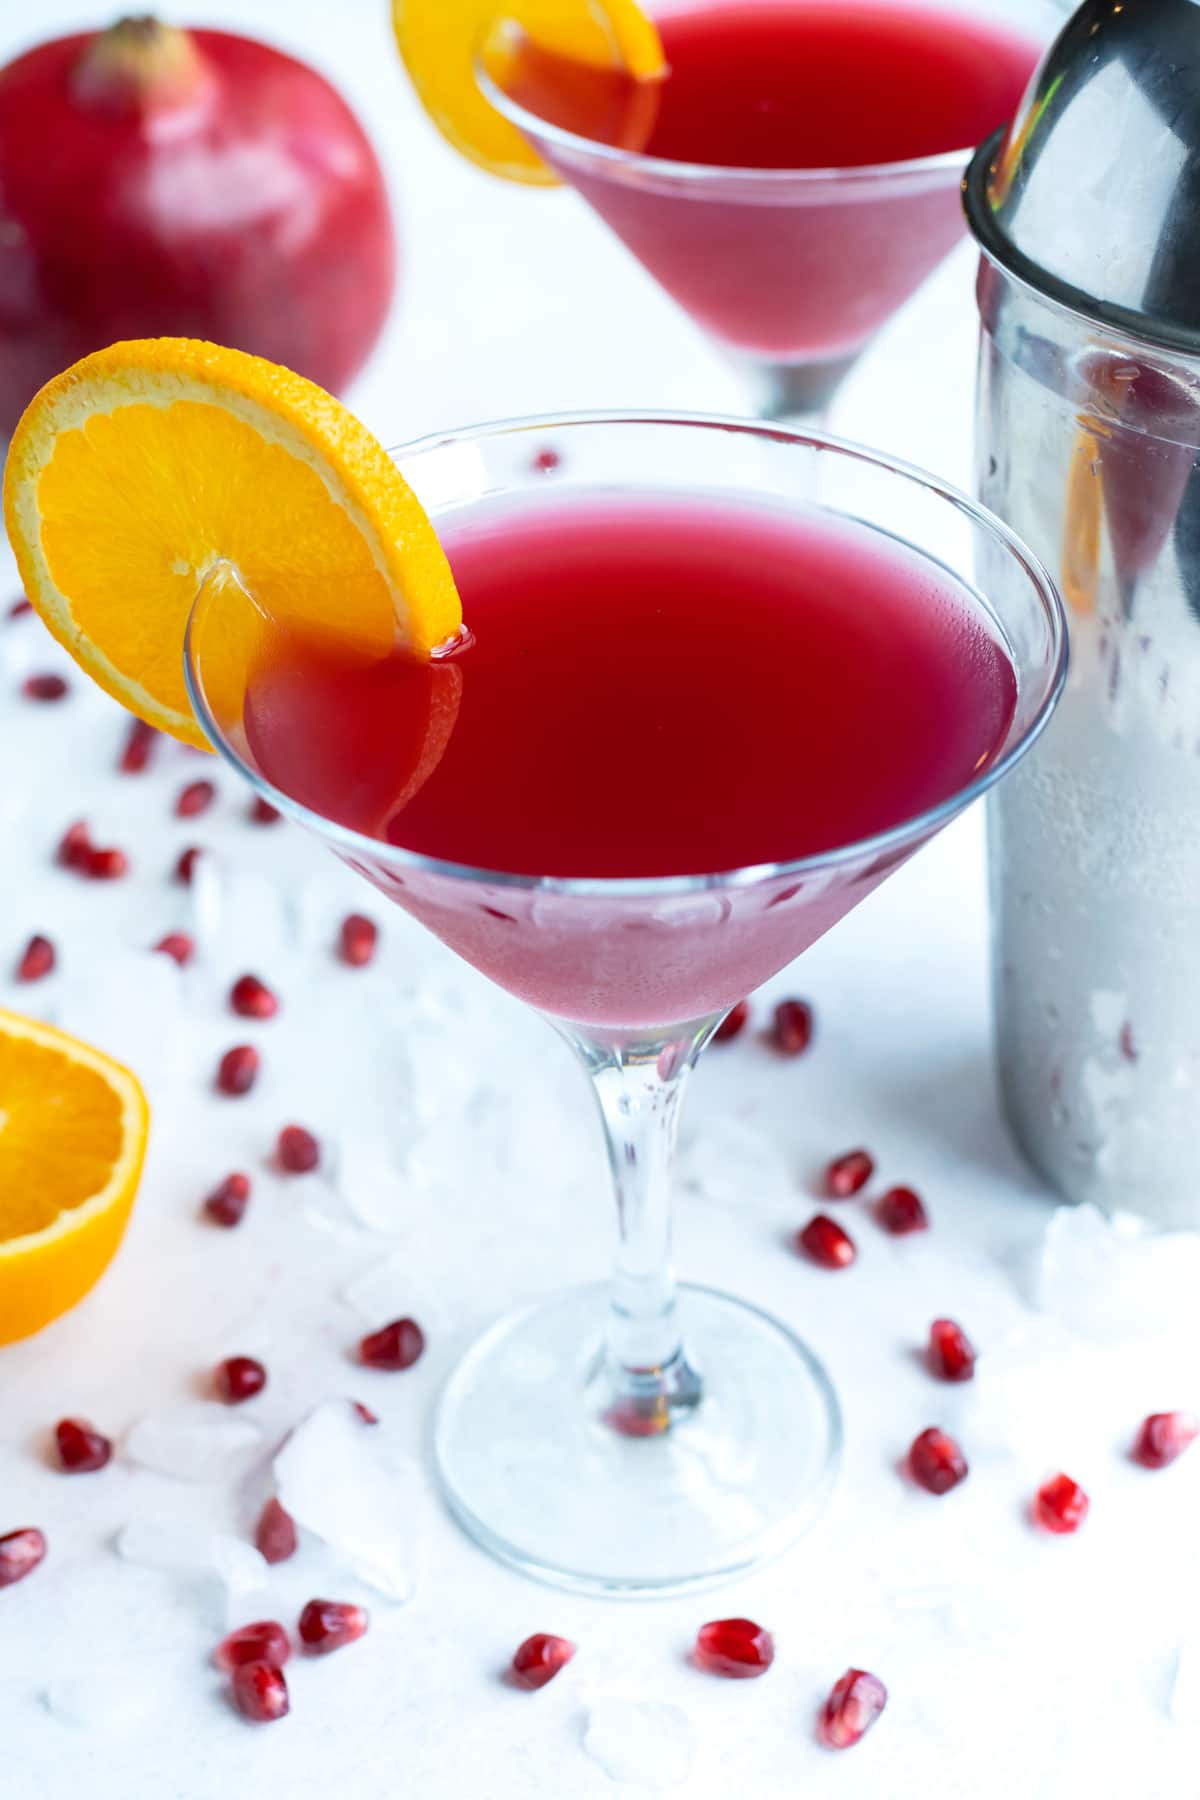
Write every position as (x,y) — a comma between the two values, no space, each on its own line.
(543,1470)
(796,392)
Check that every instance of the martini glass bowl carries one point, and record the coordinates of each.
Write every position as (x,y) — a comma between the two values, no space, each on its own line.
(632,1437)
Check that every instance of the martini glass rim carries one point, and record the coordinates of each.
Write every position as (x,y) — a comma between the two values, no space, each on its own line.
(717,175)
(905,832)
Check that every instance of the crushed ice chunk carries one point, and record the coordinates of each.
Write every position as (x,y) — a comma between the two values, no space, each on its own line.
(1183,1699)
(1115,1277)
(107,1705)
(192,1443)
(641,1741)
(372,1187)
(735,1164)
(356,1492)
(179,1547)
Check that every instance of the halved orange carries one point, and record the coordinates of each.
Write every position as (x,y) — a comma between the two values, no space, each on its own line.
(73,1130)
(440,40)
(147,466)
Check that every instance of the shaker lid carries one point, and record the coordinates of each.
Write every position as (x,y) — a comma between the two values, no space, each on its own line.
(1092,194)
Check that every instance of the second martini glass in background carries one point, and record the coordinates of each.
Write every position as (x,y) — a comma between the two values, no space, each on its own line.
(797,173)
(698,720)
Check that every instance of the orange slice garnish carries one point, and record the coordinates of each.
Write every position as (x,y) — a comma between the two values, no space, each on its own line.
(73,1129)
(441,40)
(145,467)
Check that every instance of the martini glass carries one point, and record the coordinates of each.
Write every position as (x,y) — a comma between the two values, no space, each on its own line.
(790,271)
(635,1437)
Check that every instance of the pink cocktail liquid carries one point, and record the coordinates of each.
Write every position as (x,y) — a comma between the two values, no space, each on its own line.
(653,687)
(791,270)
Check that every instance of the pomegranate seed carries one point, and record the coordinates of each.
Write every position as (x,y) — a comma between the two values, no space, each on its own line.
(327,1625)
(179,945)
(1163,1437)
(936,1461)
(735,1647)
(733,1024)
(357,940)
(847,1174)
(260,1692)
(106,865)
(546,461)
(265,1641)
(19,608)
(140,743)
(275,1534)
(20,1553)
(851,1709)
(37,960)
(239,1378)
(791,1027)
(185,868)
(261,812)
(365,1413)
(194,799)
(297,1150)
(75,846)
(44,687)
(395,1346)
(237,1070)
(227,1203)
(81,1450)
(252,998)
(824,1240)
(1061,1505)
(902,1210)
(951,1352)
(1127,1044)
(539,1659)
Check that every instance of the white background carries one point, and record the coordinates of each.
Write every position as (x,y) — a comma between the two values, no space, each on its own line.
(1020,1667)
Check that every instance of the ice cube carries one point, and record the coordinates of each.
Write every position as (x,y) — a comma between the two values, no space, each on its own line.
(1115,1277)
(371,1185)
(1183,1701)
(356,1492)
(192,1443)
(182,1547)
(645,1742)
(108,1705)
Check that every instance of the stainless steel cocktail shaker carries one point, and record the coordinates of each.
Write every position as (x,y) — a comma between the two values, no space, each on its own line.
(1087,210)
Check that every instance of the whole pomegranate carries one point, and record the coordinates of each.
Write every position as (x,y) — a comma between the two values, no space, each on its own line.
(156,181)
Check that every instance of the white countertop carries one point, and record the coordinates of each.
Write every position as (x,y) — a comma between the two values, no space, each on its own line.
(1020,1667)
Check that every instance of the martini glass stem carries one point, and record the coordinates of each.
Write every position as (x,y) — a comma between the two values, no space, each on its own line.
(645,1379)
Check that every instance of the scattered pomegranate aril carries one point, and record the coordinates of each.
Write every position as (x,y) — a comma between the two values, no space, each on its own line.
(252,998)
(936,1462)
(261,812)
(791,1027)
(185,868)
(546,461)
(226,1205)
(539,1659)
(19,609)
(364,1413)
(37,960)
(733,1024)
(1164,1437)
(851,1709)
(847,1174)
(260,1692)
(826,1243)
(44,687)
(81,1449)
(737,1648)
(239,1378)
(106,865)
(140,744)
(237,1070)
(327,1625)
(297,1150)
(265,1641)
(194,799)
(75,846)
(1060,1505)
(902,1210)
(357,940)
(951,1352)
(395,1346)
(178,946)
(20,1553)
(275,1536)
